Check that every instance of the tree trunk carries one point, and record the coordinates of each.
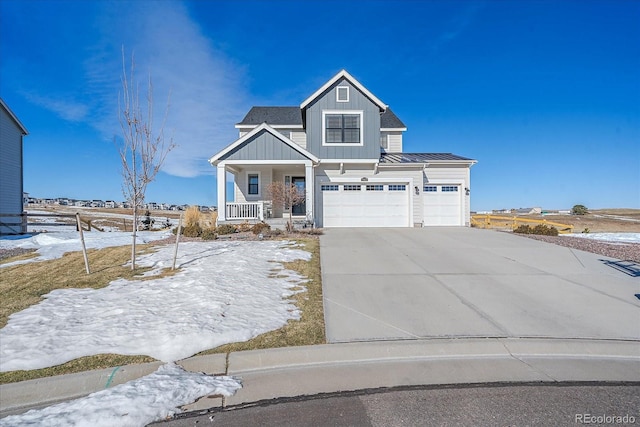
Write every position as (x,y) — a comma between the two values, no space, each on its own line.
(133,244)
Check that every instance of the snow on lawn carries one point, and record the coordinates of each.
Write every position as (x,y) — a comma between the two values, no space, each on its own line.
(225,292)
(136,403)
(54,245)
(609,237)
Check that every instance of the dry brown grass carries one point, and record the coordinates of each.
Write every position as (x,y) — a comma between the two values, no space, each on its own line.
(597,221)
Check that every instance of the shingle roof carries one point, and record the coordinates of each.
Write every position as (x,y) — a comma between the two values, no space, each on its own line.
(388,120)
(273,116)
(419,157)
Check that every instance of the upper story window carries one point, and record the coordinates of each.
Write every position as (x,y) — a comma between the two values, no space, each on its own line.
(384,141)
(342,127)
(342,94)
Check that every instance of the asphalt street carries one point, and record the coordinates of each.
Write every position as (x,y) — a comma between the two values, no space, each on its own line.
(485,405)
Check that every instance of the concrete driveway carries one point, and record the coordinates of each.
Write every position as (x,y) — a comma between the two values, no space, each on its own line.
(386,284)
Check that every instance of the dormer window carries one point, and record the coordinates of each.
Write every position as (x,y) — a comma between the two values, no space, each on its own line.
(342,94)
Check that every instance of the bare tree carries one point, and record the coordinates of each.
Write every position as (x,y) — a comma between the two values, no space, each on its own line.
(142,150)
(287,195)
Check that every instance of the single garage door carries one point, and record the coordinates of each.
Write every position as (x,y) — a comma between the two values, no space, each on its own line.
(442,205)
(365,205)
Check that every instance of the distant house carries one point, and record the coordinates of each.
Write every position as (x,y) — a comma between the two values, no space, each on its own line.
(110,204)
(11,173)
(527,211)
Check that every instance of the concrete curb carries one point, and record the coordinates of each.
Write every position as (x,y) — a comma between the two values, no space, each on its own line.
(298,371)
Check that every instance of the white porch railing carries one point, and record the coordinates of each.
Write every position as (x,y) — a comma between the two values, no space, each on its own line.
(253,210)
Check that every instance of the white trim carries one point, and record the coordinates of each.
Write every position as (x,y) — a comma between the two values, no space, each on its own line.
(266,162)
(343,73)
(246,177)
(213,160)
(222,191)
(393,129)
(342,144)
(338,93)
(347,161)
(238,126)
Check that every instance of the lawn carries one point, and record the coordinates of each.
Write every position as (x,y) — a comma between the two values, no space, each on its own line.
(24,285)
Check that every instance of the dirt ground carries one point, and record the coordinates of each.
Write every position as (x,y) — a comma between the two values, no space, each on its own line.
(596,221)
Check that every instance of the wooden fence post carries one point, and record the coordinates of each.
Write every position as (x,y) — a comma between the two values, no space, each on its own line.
(175,253)
(84,248)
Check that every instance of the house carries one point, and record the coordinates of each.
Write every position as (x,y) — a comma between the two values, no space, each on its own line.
(12,131)
(343,148)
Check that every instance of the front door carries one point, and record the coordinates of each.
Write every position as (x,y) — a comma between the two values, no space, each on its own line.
(300,209)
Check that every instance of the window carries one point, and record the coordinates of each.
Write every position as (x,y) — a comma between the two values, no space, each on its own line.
(254,183)
(396,187)
(348,187)
(375,187)
(329,187)
(342,94)
(342,128)
(449,188)
(384,141)
(430,188)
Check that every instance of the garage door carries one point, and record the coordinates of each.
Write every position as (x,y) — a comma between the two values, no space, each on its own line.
(442,205)
(365,205)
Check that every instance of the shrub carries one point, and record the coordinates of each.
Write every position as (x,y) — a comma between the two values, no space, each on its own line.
(311,231)
(243,227)
(260,227)
(540,229)
(225,229)
(192,231)
(579,210)
(192,216)
(209,234)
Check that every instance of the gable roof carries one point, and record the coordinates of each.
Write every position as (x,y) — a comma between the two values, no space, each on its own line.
(13,116)
(399,158)
(353,81)
(388,120)
(274,116)
(263,127)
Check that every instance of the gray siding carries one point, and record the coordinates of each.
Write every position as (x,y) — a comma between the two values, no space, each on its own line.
(10,172)
(370,129)
(264,146)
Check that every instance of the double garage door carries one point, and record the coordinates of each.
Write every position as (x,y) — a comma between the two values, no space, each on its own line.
(365,204)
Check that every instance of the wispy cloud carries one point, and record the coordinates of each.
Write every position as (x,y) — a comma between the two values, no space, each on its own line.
(206,89)
(67,109)
(457,25)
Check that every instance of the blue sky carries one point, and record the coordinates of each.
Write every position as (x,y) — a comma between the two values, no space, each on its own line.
(544,94)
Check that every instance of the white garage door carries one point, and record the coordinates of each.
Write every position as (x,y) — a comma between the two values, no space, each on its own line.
(442,205)
(365,205)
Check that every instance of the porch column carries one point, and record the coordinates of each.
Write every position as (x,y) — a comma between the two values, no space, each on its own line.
(222,191)
(310,185)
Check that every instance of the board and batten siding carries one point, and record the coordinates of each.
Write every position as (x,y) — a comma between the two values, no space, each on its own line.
(264,146)
(357,102)
(11,201)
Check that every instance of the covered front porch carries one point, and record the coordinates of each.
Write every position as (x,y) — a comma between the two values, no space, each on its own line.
(251,200)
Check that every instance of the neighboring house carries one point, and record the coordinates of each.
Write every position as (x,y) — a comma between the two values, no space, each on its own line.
(11,173)
(343,148)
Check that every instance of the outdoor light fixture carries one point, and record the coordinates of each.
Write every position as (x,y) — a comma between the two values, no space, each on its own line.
(417,190)
(467,190)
